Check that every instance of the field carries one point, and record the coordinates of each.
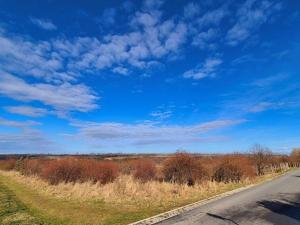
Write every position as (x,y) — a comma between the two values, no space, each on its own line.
(68,190)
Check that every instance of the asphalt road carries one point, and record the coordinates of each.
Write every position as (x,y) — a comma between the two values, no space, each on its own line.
(274,202)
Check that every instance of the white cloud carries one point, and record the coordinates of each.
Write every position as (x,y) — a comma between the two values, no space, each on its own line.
(152,4)
(17,124)
(212,17)
(44,24)
(26,141)
(149,133)
(250,16)
(150,38)
(161,114)
(25,138)
(207,69)
(62,97)
(43,63)
(261,106)
(120,70)
(268,93)
(271,80)
(204,39)
(27,111)
(191,10)
(176,38)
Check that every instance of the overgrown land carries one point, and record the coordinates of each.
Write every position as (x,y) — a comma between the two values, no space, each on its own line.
(84,190)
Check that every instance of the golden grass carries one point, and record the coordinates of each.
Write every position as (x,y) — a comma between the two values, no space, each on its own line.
(124,189)
(123,201)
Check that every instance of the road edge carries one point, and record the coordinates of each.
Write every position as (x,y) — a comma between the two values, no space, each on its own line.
(174,212)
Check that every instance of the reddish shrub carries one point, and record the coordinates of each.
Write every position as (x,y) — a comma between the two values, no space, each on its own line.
(7,164)
(261,157)
(183,168)
(295,157)
(243,163)
(228,172)
(127,166)
(99,171)
(145,170)
(79,170)
(62,170)
(32,167)
(209,163)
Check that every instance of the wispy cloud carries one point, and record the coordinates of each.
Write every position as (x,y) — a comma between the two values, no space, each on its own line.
(191,10)
(251,15)
(271,80)
(149,133)
(207,69)
(42,23)
(18,124)
(212,17)
(204,39)
(120,70)
(62,97)
(27,111)
(161,114)
(26,139)
(262,106)
(268,93)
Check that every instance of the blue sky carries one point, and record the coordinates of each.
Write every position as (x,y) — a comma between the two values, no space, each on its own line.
(149,76)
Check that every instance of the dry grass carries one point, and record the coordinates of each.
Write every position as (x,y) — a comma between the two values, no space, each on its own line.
(123,201)
(89,191)
(124,189)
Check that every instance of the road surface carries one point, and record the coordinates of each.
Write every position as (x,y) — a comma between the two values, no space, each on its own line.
(274,202)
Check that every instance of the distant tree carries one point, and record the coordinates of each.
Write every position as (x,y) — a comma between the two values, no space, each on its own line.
(261,157)
(295,157)
(295,153)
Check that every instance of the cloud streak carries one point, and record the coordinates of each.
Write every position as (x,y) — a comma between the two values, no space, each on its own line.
(207,69)
(251,16)
(27,111)
(43,24)
(62,97)
(147,133)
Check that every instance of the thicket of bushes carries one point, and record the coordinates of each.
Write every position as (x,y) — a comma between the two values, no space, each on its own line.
(182,168)
(144,170)
(69,169)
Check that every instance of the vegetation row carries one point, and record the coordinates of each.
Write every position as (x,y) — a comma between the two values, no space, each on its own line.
(182,167)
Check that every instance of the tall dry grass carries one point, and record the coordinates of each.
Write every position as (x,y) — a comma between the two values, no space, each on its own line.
(124,190)
(180,178)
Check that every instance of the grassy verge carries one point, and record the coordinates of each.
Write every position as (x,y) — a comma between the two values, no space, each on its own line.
(24,203)
(13,211)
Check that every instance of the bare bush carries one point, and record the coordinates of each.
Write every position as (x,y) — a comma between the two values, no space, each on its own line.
(62,170)
(183,168)
(261,157)
(127,166)
(31,167)
(295,157)
(145,170)
(98,171)
(228,172)
(7,164)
